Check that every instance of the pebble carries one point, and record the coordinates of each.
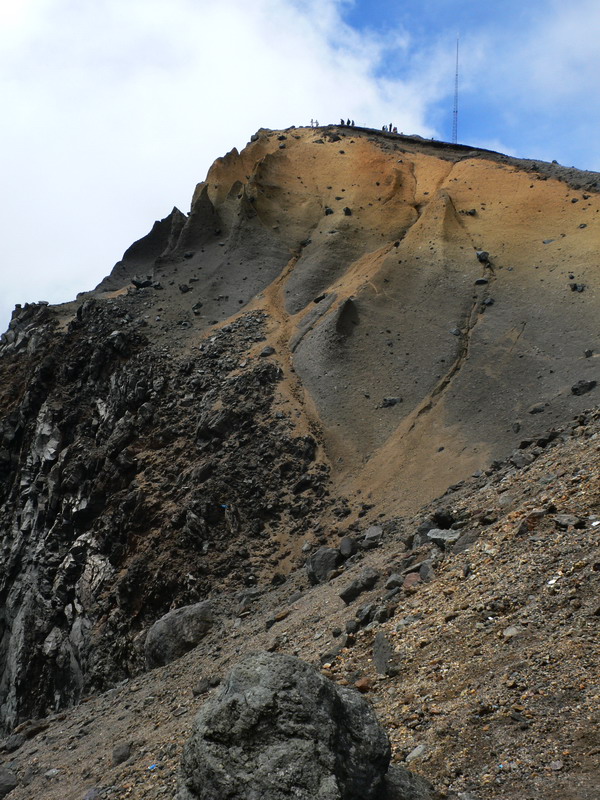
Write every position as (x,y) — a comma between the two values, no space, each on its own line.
(418,752)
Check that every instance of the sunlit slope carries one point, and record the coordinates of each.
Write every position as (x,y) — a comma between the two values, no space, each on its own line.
(420,358)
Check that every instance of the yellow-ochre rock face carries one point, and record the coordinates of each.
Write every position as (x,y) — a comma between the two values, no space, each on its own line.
(422,297)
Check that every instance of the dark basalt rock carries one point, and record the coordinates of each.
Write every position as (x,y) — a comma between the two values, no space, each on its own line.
(278,729)
(91,555)
(583,387)
(321,564)
(177,632)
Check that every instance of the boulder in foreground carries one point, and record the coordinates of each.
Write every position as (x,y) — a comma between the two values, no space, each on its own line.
(278,729)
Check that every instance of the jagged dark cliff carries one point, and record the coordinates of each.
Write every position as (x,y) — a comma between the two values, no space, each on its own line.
(133,482)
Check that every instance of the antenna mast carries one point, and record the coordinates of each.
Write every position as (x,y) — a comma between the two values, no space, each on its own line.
(455,112)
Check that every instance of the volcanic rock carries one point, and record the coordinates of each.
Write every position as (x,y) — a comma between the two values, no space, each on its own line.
(365,581)
(279,729)
(177,632)
(322,563)
(8,781)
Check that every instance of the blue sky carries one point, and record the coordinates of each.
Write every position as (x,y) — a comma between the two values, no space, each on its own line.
(114,109)
(526,70)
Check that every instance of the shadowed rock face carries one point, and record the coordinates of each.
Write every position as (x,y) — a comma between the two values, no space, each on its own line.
(322,323)
(132,482)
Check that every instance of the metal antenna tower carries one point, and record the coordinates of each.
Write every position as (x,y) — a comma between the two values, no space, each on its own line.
(455,112)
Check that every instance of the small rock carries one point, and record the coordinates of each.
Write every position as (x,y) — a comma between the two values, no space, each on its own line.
(8,781)
(179,631)
(382,614)
(13,743)
(511,632)
(52,773)
(183,288)
(321,564)
(365,581)
(583,387)
(395,581)
(364,615)
(281,615)
(388,402)
(363,685)
(519,459)
(418,752)
(202,687)
(401,784)
(411,580)
(564,521)
(372,537)
(444,539)
(538,408)
(467,539)
(384,656)
(267,351)
(141,283)
(348,211)
(347,546)
(483,256)
(352,626)
(121,753)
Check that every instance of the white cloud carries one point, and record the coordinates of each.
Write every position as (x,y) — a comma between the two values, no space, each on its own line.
(117,108)
(114,109)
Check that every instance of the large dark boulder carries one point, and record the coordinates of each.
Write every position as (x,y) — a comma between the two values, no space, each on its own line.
(176,633)
(277,730)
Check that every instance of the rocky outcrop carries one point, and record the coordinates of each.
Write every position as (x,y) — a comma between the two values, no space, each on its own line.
(141,256)
(132,482)
(278,729)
